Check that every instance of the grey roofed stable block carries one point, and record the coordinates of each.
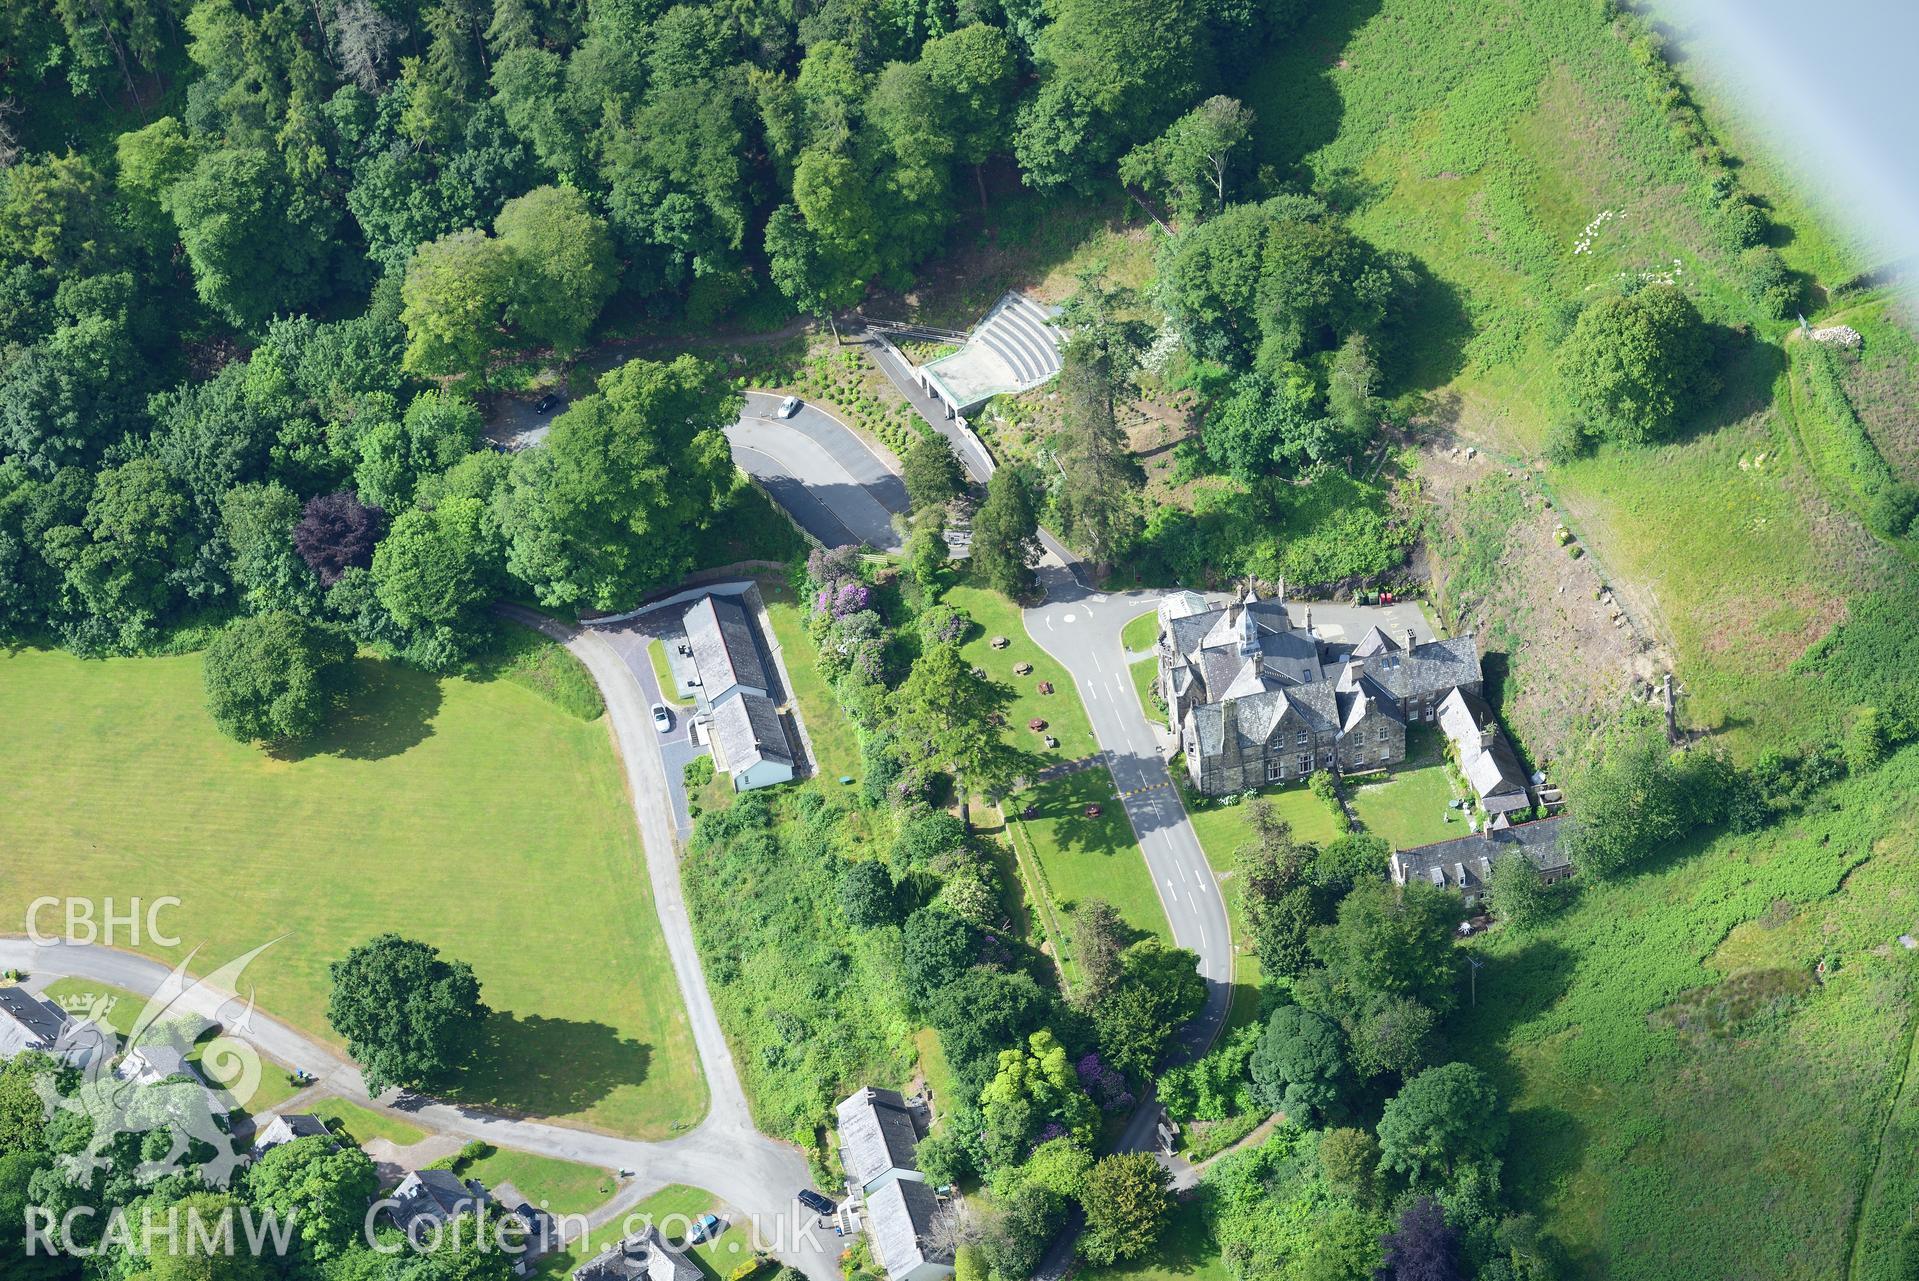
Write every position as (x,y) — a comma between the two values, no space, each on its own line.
(645,1257)
(899,1223)
(724,651)
(747,730)
(877,1135)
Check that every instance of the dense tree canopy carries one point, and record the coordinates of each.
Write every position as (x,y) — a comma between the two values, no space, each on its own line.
(1005,544)
(1126,1201)
(409,1016)
(610,506)
(272,678)
(1636,365)
(1443,1116)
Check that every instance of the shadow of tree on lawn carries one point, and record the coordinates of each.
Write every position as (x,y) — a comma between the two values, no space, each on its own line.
(527,1063)
(387,710)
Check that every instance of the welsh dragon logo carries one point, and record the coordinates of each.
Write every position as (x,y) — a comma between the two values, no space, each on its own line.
(118,1092)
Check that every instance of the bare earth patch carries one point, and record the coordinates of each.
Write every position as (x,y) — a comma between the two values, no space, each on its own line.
(1571,654)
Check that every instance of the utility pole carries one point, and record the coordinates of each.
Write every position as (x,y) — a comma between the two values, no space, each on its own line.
(1473,963)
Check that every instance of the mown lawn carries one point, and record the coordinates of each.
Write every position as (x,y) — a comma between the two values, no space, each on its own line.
(1084,858)
(994,615)
(363,1125)
(1077,857)
(561,1187)
(1221,830)
(1141,633)
(473,816)
(1409,804)
(1224,828)
(1144,673)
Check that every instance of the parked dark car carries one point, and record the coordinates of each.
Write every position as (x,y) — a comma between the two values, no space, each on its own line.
(546,404)
(815,1202)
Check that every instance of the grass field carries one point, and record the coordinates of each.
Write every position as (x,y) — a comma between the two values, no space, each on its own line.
(1687,1102)
(1482,137)
(432,808)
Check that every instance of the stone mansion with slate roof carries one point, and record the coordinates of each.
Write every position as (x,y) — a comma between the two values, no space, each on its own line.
(1254,698)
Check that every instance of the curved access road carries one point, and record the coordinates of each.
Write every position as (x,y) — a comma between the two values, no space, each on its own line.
(834,484)
(724,1155)
(1081,628)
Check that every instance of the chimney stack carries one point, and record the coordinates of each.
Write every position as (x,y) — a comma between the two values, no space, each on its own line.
(1487,733)
(1410,640)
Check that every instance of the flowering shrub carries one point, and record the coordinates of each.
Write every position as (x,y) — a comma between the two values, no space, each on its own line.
(851,598)
(944,625)
(1104,1084)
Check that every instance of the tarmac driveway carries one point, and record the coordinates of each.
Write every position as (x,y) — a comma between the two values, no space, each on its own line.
(829,480)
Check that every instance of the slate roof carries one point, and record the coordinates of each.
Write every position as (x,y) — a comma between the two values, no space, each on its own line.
(156,1060)
(288,1128)
(1313,707)
(1364,697)
(1375,641)
(1493,769)
(747,730)
(1428,669)
(721,637)
(434,1196)
(899,1224)
(1465,863)
(645,1257)
(28,1023)
(877,1134)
